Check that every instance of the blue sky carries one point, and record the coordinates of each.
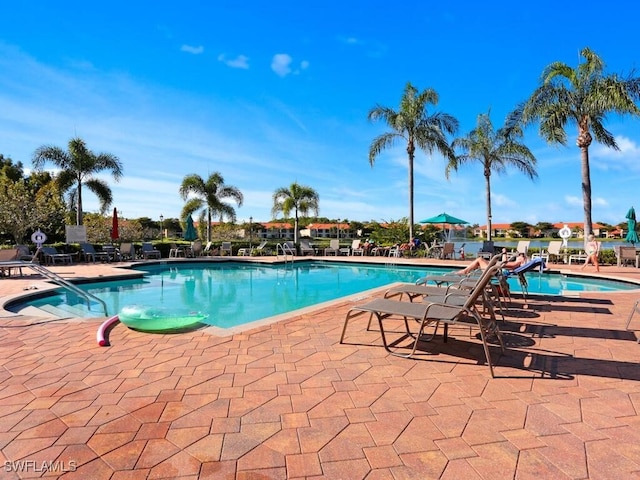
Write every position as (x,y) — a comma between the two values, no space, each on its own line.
(272,93)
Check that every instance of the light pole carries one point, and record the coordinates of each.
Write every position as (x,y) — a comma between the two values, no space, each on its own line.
(162,227)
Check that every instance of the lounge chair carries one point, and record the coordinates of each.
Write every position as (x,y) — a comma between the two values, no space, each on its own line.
(52,256)
(226,248)
(8,258)
(523,247)
(432,314)
(334,247)
(148,251)
(175,251)
(635,309)
(533,264)
(448,251)
(127,251)
(196,248)
(356,249)
(552,253)
(24,253)
(261,249)
(89,253)
(487,250)
(625,255)
(306,248)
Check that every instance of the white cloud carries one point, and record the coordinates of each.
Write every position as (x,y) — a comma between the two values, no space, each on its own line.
(573,200)
(241,61)
(281,64)
(191,49)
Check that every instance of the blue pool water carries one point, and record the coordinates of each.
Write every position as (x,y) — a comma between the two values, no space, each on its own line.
(233,294)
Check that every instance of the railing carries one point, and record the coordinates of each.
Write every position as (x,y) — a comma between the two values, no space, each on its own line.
(63,283)
(285,250)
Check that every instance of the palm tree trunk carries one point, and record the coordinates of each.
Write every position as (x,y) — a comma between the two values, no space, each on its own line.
(586,190)
(79,204)
(487,178)
(208,224)
(410,194)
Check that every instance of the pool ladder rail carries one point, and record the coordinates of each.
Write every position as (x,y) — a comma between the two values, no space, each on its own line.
(45,272)
(286,250)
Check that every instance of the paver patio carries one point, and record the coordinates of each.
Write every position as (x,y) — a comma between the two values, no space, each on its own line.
(287,401)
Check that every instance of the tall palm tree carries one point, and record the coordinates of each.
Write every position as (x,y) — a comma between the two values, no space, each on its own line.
(77,169)
(415,126)
(582,96)
(208,196)
(495,150)
(299,198)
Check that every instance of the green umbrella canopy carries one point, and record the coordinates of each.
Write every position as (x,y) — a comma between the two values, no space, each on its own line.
(444,218)
(632,235)
(190,233)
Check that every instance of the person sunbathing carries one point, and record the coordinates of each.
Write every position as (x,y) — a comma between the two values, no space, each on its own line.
(481,263)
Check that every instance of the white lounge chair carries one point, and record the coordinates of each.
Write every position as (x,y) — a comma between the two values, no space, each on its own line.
(356,249)
(334,247)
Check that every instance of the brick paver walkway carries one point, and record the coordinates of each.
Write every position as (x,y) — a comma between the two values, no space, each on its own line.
(287,401)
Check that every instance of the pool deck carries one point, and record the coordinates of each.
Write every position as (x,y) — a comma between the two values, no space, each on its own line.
(287,400)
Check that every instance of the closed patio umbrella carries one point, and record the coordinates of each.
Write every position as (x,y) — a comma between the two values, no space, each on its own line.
(632,235)
(444,219)
(190,233)
(115,231)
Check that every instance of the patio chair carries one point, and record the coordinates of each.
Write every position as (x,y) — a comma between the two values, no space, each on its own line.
(89,253)
(334,247)
(356,249)
(262,249)
(523,247)
(428,314)
(196,248)
(175,251)
(487,250)
(577,257)
(625,255)
(306,248)
(148,251)
(448,251)
(127,251)
(52,256)
(634,309)
(552,253)
(8,258)
(226,248)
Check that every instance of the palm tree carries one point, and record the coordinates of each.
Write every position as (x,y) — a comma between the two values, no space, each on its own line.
(582,96)
(299,198)
(413,125)
(495,150)
(77,169)
(208,197)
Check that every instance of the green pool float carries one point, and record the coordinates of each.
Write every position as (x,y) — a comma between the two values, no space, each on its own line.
(150,319)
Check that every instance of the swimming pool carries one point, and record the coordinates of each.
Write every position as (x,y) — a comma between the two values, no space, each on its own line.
(234,293)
